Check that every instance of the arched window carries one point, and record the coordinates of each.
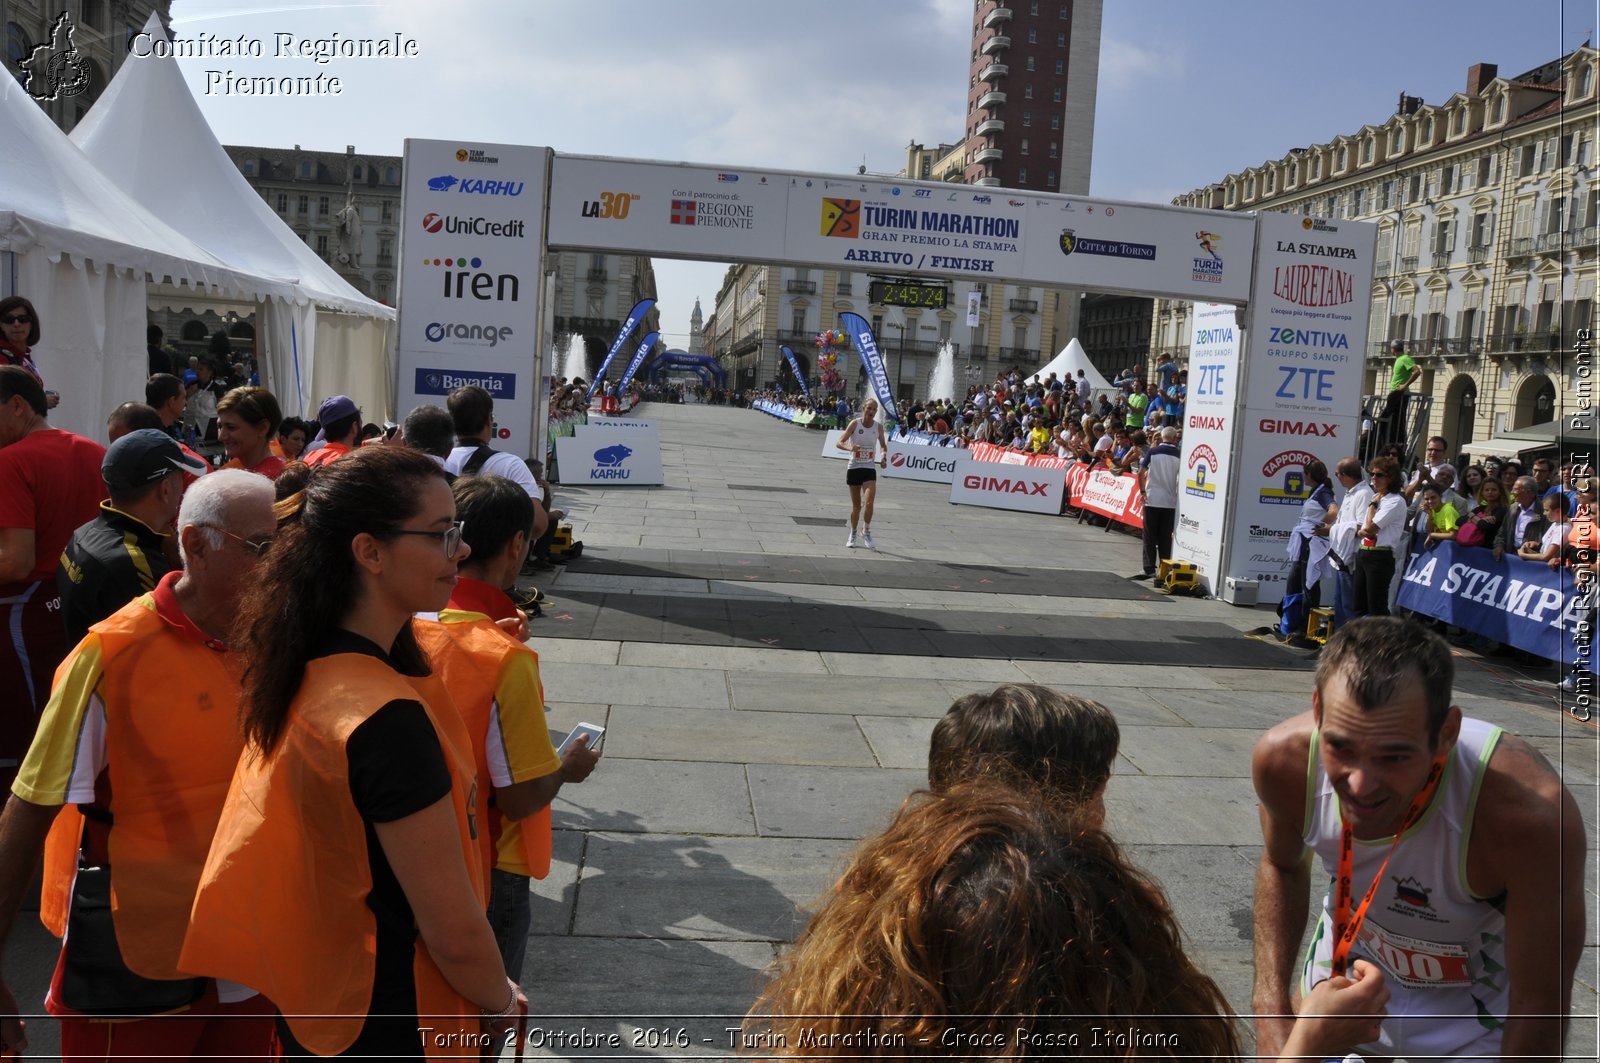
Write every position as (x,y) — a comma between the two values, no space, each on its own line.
(1427,129)
(390,175)
(194,332)
(1585,79)
(1499,109)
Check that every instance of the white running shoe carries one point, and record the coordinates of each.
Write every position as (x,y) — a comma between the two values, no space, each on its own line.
(866,540)
(851,542)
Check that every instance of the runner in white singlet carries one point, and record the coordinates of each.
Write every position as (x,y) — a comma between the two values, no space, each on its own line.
(1474,913)
(863,437)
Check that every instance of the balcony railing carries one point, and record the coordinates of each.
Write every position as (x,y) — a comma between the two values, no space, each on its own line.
(989,155)
(992,98)
(1478,254)
(1552,242)
(992,71)
(999,14)
(987,182)
(1524,342)
(995,44)
(1023,306)
(801,287)
(844,288)
(1441,259)
(1521,247)
(597,276)
(1408,263)
(1018,354)
(1383,269)
(386,262)
(1586,237)
(990,126)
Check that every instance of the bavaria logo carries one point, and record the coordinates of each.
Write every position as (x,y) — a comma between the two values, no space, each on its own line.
(608,463)
(432,381)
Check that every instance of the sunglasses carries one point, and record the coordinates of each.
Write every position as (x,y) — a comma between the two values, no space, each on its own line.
(259,547)
(16,319)
(450,537)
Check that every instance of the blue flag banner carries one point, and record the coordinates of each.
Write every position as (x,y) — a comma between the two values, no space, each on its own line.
(646,345)
(636,315)
(1522,603)
(860,334)
(794,364)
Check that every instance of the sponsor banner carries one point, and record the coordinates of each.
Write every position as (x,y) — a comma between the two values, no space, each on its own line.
(470,279)
(924,438)
(1007,456)
(793,414)
(646,345)
(1215,342)
(1312,297)
(636,315)
(694,212)
(860,333)
(1528,605)
(794,367)
(1106,493)
(599,454)
(915,461)
(435,381)
(830,441)
(1031,489)
(610,421)
(1270,480)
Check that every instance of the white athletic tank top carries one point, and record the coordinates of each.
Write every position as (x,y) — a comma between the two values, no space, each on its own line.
(1442,949)
(863,442)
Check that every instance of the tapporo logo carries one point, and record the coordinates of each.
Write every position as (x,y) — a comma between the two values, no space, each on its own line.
(1291,489)
(55,70)
(608,463)
(1203,468)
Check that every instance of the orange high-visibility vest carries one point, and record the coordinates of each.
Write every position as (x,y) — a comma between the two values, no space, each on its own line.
(282,904)
(469,657)
(172,740)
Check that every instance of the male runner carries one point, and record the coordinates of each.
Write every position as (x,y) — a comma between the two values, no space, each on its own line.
(1475,913)
(863,437)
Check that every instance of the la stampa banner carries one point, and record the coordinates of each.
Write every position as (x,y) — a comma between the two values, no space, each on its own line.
(1525,604)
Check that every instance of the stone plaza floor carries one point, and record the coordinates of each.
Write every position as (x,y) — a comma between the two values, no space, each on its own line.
(768,696)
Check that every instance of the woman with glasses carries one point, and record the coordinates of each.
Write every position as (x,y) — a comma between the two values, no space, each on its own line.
(1381,534)
(247,421)
(344,880)
(19,331)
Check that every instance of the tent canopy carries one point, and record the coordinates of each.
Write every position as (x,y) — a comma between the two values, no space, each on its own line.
(1066,365)
(148,134)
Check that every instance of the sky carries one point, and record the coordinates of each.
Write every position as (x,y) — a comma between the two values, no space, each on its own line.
(1187,94)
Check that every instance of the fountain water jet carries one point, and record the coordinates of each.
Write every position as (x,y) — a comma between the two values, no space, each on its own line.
(942,381)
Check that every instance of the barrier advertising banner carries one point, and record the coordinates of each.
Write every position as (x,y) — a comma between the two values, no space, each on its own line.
(918,461)
(1114,495)
(1215,342)
(597,454)
(1528,605)
(470,279)
(1029,488)
(1302,392)
(829,449)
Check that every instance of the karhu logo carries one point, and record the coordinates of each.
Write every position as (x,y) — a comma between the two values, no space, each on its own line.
(608,461)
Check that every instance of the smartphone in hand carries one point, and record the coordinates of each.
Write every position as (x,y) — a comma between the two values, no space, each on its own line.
(595,733)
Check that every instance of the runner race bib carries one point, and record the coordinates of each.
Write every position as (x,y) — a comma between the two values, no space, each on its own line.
(1414,963)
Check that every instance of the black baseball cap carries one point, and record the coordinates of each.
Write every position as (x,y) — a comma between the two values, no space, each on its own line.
(143,457)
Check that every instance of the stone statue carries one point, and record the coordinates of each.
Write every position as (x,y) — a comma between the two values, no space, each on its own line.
(349,232)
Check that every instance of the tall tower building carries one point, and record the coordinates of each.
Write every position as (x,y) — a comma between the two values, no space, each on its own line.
(1031,94)
(697,335)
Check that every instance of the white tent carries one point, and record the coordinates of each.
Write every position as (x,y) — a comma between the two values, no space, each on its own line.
(318,335)
(81,250)
(1066,365)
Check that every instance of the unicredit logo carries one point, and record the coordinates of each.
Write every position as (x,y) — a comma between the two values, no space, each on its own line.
(449,223)
(900,461)
(1003,485)
(450,330)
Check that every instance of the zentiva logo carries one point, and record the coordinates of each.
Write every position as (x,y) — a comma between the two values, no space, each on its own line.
(1003,485)
(449,223)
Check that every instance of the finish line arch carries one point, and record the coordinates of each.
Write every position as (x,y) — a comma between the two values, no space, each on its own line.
(475,291)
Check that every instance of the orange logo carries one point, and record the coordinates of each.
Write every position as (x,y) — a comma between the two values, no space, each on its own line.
(841,217)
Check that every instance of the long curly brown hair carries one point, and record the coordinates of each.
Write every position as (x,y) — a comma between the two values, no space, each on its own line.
(988,923)
(307,582)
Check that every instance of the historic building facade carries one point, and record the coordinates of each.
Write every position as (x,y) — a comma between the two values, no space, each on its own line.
(1487,213)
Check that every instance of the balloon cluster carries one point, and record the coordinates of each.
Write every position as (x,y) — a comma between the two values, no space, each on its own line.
(828,360)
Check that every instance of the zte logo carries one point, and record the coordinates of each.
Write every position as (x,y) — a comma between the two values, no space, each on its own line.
(610,205)
(1298,428)
(1004,486)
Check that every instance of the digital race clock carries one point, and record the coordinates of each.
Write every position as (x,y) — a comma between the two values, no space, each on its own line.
(898,293)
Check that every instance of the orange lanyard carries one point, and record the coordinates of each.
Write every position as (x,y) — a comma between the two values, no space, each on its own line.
(1345,924)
